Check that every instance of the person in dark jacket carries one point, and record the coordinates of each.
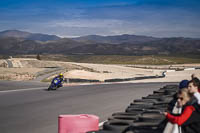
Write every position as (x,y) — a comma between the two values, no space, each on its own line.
(189,119)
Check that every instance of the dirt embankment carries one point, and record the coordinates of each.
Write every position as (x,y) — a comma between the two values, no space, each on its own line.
(28,69)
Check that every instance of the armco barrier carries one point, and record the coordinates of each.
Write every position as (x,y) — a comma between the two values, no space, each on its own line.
(77,123)
(79,80)
(187,69)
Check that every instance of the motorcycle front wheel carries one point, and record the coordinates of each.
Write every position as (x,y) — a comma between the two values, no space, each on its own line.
(52,87)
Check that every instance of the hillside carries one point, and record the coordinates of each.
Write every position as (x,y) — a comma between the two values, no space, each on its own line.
(13,46)
(17,42)
(28,36)
(118,39)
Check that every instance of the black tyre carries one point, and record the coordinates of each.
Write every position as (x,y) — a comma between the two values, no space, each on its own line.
(115,125)
(159,92)
(172,87)
(152,97)
(167,99)
(124,117)
(49,89)
(169,92)
(132,129)
(146,100)
(151,117)
(134,110)
(146,125)
(153,110)
(140,106)
(125,113)
(103,131)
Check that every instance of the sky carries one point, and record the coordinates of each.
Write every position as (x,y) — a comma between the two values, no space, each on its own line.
(72,18)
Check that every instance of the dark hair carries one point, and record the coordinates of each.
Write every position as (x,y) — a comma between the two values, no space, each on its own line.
(195,82)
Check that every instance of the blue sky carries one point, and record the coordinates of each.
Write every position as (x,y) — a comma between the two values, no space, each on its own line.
(68,18)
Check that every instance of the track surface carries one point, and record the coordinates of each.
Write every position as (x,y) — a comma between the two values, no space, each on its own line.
(37,110)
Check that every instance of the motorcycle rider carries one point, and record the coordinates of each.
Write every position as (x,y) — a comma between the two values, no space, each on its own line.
(56,82)
(60,77)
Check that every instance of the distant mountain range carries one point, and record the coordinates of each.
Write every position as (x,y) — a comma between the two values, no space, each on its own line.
(19,42)
(118,39)
(28,36)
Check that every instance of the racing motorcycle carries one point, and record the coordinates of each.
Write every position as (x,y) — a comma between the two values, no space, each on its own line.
(55,83)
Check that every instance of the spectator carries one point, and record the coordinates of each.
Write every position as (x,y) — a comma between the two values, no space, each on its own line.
(194,85)
(194,88)
(189,120)
(182,84)
(193,76)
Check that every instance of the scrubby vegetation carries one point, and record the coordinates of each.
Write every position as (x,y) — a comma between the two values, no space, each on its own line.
(122,59)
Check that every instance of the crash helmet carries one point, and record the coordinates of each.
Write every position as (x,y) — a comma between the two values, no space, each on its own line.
(60,75)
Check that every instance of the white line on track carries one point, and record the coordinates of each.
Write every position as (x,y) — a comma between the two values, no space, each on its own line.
(38,88)
(101,124)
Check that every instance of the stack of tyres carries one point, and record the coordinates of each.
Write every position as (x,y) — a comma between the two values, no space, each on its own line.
(145,100)
(125,113)
(120,121)
(142,115)
(116,125)
(144,127)
(151,117)
(148,122)
(123,118)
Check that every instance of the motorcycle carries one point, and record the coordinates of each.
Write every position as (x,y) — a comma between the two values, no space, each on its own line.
(55,83)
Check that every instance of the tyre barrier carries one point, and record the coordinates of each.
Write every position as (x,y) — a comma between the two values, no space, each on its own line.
(145,100)
(134,110)
(116,125)
(152,96)
(135,78)
(104,131)
(143,103)
(125,114)
(142,115)
(123,117)
(151,117)
(144,127)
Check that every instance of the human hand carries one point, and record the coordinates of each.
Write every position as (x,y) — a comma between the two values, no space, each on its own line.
(163,113)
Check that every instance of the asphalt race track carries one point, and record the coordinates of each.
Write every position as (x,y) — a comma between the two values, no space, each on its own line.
(37,110)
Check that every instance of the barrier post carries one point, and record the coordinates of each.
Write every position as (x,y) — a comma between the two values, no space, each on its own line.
(77,123)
